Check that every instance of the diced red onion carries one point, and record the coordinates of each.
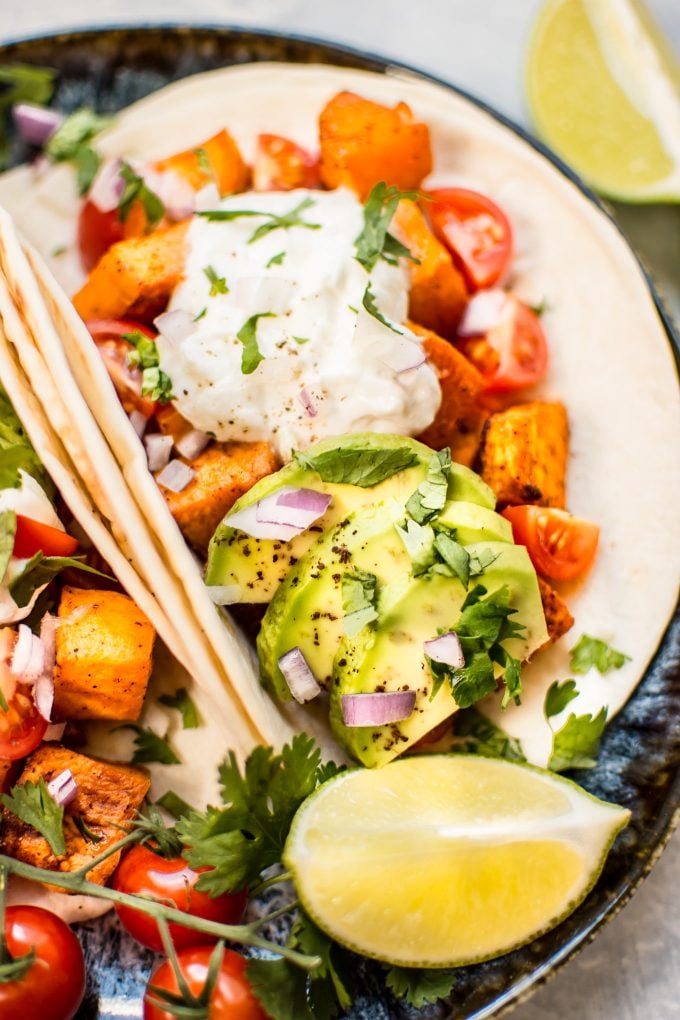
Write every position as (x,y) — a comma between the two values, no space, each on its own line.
(296,672)
(28,657)
(107,187)
(176,194)
(377,709)
(403,355)
(36,124)
(307,402)
(139,422)
(158,450)
(55,731)
(63,788)
(43,695)
(48,636)
(175,326)
(224,594)
(484,311)
(192,443)
(282,515)
(447,649)
(175,476)
(207,198)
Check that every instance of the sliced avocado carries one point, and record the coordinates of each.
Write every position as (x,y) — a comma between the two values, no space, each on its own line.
(257,566)
(389,656)
(473,523)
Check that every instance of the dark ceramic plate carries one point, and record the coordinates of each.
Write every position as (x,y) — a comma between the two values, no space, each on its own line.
(638,763)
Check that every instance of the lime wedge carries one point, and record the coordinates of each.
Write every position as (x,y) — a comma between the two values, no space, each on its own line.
(603,89)
(443,860)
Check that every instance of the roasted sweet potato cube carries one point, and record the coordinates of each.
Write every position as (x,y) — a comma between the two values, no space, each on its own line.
(558,619)
(104,656)
(461,415)
(135,277)
(223,473)
(108,797)
(8,771)
(438,294)
(524,454)
(218,159)
(363,142)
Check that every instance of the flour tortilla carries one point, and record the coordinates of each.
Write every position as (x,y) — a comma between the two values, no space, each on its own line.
(610,359)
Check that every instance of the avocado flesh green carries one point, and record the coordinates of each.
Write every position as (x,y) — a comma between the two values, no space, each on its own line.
(258,566)
(306,611)
(389,656)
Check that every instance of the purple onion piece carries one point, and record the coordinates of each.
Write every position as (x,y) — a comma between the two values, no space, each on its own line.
(158,450)
(446,649)
(43,695)
(296,672)
(55,731)
(307,402)
(139,422)
(175,326)
(28,656)
(107,187)
(281,515)
(192,443)
(378,709)
(175,476)
(63,788)
(484,311)
(36,124)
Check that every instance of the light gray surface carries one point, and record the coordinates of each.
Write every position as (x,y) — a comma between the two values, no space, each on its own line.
(632,971)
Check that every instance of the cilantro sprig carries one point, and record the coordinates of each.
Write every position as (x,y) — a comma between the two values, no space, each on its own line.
(71,143)
(150,747)
(375,242)
(273,221)
(137,190)
(576,744)
(475,733)
(156,383)
(218,284)
(32,803)
(429,499)
(247,335)
(369,303)
(182,701)
(591,652)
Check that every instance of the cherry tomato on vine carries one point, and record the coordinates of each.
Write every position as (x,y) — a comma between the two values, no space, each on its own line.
(21,727)
(34,536)
(53,986)
(144,873)
(511,355)
(108,336)
(476,232)
(232,997)
(560,546)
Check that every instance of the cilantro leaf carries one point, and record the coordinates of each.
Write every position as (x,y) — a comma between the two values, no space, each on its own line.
(174,804)
(272,220)
(204,163)
(418,541)
(420,987)
(85,832)
(247,335)
(368,301)
(136,190)
(40,570)
(75,132)
(22,83)
(454,556)
(218,284)
(32,803)
(362,466)
(155,382)
(281,988)
(150,747)
(87,162)
(358,600)
(576,744)
(474,680)
(181,700)
(476,734)
(512,676)
(327,979)
(8,530)
(16,451)
(590,651)
(374,242)
(429,499)
(276,260)
(558,697)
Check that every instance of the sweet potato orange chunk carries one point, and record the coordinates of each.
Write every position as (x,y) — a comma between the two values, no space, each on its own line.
(104,656)
(438,294)
(524,454)
(223,473)
(461,416)
(108,797)
(217,160)
(558,619)
(363,142)
(135,277)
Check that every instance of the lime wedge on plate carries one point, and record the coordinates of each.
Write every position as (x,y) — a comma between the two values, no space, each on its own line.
(604,92)
(443,860)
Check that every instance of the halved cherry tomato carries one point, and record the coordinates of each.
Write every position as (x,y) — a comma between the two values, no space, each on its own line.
(281,165)
(560,546)
(54,985)
(513,354)
(232,997)
(107,334)
(144,873)
(34,536)
(21,727)
(97,231)
(476,232)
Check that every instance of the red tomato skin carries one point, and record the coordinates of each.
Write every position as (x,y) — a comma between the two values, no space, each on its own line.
(107,334)
(34,536)
(53,988)
(144,873)
(281,165)
(561,547)
(476,232)
(21,728)
(97,231)
(232,998)
(513,355)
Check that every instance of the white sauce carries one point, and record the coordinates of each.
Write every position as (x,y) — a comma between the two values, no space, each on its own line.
(344,377)
(29,500)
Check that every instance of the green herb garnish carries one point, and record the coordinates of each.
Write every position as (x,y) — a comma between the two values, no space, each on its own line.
(362,466)
(155,382)
(87,834)
(375,242)
(40,570)
(420,987)
(276,260)
(150,747)
(247,334)
(274,222)
(371,307)
(32,803)
(174,804)
(358,601)
(8,530)
(591,652)
(16,452)
(21,83)
(429,499)
(476,734)
(558,697)
(136,190)
(218,284)
(576,744)
(181,700)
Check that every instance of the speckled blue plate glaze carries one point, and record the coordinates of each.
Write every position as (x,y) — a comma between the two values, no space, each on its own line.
(640,754)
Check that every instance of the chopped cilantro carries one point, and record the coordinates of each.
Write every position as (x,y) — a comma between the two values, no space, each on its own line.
(362,466)
(476,734)
(8,530)
(218,284)
(454,556)
(87,834)
(591,652)
(358,601)
(420,987)
(181,700)
(204,163)
(301,339)
(174,804)
(40,570)
(374,242)
(16,452)
(368,301)
(155,382)
(60,249)
(22,83)
(273,221)
(136,190)
(77,130)
(87,162)
(150,747)
(418,541)
(247,334)
(576,744)
(276,260)
(558,697)
(200,315)
(429,499)
(32,803)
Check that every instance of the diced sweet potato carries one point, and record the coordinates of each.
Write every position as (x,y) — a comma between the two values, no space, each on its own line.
(558,619)
(223,473)
(135,277)
(218,159)
(171,422)
(108,797)
(524,454)
(103,657)
(8,772)
(461,416)
(363,143)
(282,165)
(438,294)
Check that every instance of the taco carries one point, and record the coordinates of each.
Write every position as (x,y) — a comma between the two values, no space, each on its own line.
(183,274)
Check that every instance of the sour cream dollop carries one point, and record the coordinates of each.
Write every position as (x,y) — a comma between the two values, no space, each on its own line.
(328,366)
(28,500)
